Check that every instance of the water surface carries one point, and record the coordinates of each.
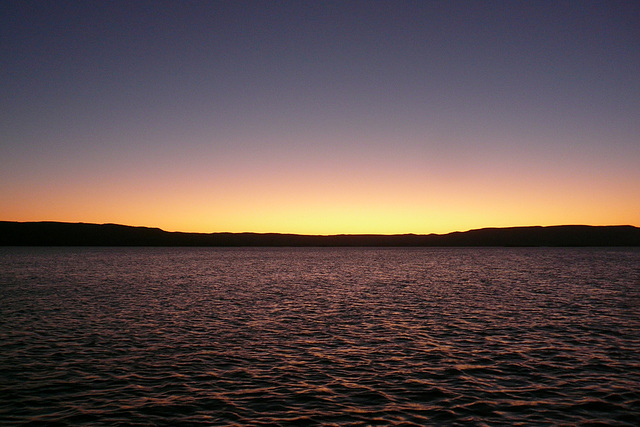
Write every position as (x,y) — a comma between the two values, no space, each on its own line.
(325,336)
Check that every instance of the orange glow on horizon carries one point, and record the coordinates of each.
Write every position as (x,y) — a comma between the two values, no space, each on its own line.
(348,191)
(306,205)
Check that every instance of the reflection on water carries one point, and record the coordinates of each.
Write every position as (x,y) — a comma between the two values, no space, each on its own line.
(319,336)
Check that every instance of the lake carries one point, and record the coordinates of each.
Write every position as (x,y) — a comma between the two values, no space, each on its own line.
(319,336)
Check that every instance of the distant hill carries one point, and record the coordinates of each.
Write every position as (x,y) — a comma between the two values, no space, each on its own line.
(82,234)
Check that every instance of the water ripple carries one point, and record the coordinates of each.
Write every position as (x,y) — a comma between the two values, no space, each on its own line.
(344,336)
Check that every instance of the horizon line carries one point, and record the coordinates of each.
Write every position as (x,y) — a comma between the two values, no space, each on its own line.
(318,235)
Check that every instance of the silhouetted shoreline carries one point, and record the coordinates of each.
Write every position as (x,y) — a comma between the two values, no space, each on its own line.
(83,234)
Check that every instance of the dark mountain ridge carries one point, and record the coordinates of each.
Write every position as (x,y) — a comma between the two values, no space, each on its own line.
(83,234)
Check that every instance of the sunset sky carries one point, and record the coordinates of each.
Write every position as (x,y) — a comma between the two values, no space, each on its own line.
(320,117)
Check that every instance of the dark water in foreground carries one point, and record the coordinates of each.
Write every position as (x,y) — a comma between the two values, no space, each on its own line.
(103,336)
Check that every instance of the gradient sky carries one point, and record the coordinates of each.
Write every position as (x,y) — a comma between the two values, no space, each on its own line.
(320,117)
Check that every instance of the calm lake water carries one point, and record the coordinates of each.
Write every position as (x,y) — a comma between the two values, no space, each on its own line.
(324,336)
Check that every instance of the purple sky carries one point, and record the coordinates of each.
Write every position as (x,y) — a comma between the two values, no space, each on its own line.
(369,116)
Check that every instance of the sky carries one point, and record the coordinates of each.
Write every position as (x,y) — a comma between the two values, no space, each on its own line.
(320,117)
